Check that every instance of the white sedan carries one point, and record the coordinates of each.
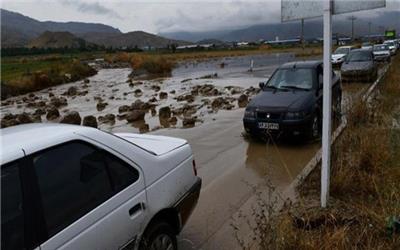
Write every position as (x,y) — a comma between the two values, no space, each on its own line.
(72,187)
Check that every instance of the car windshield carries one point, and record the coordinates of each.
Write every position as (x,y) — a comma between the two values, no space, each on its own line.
(380,47)
(390,43)
(359,56)
(342,51)
(295,78)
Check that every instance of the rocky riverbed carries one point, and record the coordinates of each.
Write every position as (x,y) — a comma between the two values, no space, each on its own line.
(113,101)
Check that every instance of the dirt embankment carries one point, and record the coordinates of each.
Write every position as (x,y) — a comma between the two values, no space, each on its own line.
(363,210)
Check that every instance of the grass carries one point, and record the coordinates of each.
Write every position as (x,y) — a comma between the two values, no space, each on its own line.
(26,74)
(365,187)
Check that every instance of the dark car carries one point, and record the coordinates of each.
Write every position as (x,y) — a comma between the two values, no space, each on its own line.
(290,103)
(359,66)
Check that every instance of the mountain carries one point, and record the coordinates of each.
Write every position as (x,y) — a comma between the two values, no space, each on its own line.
(132,39)
(17,30)
(57,40)
(312,28)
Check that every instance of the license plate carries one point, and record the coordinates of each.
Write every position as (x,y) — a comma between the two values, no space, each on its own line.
(268,125)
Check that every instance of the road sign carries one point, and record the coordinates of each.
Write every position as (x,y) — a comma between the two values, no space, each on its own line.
(302,9)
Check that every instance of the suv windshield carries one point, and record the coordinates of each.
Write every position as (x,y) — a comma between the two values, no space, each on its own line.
(381,47)
(291,79)
(342,51)
(359,56)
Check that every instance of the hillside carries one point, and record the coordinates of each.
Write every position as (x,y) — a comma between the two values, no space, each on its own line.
(56,40)
(132,39)
(18,30)
(312,29)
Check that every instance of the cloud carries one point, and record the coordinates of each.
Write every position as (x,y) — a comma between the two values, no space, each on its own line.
(93,7)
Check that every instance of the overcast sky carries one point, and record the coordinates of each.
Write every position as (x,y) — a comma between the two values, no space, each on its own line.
(158,15)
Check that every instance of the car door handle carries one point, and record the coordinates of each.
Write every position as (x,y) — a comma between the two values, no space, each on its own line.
(136,208)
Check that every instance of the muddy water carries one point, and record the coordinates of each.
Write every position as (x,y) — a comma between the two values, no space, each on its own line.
(230,165)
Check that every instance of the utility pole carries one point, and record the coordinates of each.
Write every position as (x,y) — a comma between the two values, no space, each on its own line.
(302,34)
(369,31)
(352,19)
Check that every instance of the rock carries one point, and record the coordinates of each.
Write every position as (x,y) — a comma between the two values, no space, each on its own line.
(155,88)
(173,120)
(163,95)
(153,99)
(186,80)
(217,103)
(139,105)
(189,122)
(101,106)
(39,111)
(8,122)
(52,114)
(90,121)
(144,128)
(58,102)
(153,112)
(31,95)
(138,92)
(135,115)
(72,91)
(51,94)
(72,117)
(243,100)
(172,92)
(86,80)
(24,118)
(188,98)
(109,118)
(164,112)
(123,109)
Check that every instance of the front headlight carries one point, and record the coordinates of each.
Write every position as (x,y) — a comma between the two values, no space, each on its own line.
(295,115)
(248,113)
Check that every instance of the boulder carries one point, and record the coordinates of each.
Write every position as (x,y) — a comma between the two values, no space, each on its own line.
(101,106)
(243,100)
(123,109)
(164,112)
(58,102)
(138,92)
(163,95)
(90,121)
(173,120)
(144,128)
(135,115)
(108,118)
(39,111)
(52,113)
(188,98)
(86,81)
(72,91)
(189,122)
(72,117)
(24,118)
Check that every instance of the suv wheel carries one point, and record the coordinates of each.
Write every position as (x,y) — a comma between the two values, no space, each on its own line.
(159,236)
(315,130)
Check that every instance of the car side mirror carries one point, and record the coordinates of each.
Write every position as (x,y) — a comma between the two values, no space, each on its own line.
(261,85)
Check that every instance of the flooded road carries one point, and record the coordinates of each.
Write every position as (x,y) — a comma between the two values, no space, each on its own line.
(230,165)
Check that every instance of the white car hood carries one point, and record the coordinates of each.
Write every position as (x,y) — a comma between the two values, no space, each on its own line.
(337,56)
(157,145)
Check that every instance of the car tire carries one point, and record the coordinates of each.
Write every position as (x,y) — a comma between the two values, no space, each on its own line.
(315,128)
(159,236)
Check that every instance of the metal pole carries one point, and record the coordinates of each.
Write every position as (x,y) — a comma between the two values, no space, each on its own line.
(302,33)
(327,104)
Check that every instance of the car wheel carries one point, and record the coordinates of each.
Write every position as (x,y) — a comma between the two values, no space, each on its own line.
(159,236)
(315,128)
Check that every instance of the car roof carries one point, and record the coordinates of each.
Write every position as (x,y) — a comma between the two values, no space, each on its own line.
(21,137)
(301,64)
(361,50)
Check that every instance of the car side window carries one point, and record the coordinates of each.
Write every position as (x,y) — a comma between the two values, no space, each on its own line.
(122,174)
(73,180)
(12,214)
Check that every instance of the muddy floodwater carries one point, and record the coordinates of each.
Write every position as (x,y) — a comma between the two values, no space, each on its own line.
(230,165)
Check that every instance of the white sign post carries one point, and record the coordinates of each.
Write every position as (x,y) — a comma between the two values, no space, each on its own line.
(302,9)
(327,104)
